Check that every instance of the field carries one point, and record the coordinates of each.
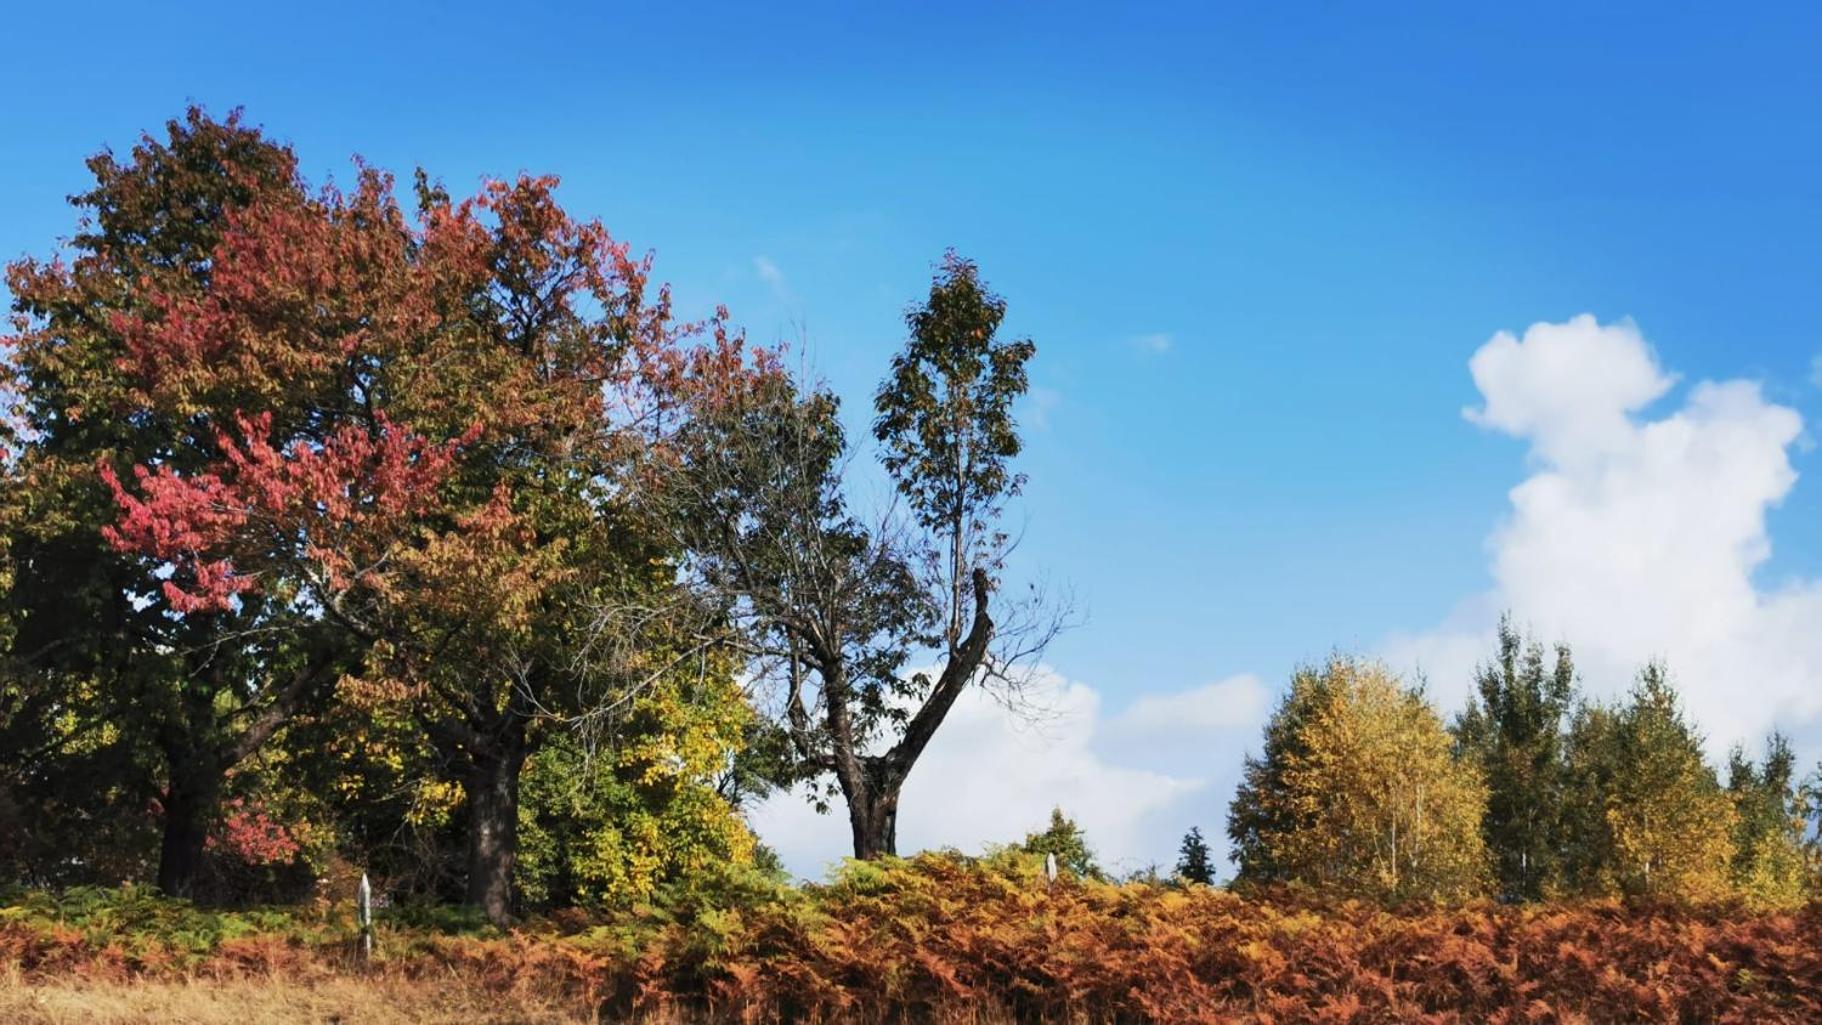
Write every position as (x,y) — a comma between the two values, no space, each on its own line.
(932,939)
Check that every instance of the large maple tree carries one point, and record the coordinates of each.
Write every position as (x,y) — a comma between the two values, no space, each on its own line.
(396,449)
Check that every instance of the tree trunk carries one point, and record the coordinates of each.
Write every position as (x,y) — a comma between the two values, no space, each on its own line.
(188,802)
(873,807)
(873,816)
(492,790)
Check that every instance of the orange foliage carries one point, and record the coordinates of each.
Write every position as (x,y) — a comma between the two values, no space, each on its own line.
(938,940)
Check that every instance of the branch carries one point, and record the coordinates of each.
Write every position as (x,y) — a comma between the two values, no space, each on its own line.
(955,676)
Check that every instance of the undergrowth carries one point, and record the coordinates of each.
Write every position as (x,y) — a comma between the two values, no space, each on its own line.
(939,939)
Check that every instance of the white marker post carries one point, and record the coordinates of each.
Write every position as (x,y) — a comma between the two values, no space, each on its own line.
(363,913)
(1050,869)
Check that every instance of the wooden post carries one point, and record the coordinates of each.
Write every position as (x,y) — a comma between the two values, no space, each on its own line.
(363,913)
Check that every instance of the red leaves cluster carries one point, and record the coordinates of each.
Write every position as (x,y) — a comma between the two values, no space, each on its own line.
(347,498)
(252,836)
(339,360)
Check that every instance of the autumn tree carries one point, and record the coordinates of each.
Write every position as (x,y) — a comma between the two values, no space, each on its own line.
(1358,792)
(1513,729)
(1193,862)
(833,604)
(1646,815)
(1770,865)
(100,632)
(610,827)
(337,441)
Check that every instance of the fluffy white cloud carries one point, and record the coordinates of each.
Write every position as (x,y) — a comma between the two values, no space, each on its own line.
(991,776)
(1238,702)
(1637,537)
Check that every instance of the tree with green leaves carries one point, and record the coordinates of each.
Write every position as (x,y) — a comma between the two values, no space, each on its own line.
(1064,839)
(833,605)
(1770,865)
(1513,728)
(1193,862)
(945,425)
(1646,815)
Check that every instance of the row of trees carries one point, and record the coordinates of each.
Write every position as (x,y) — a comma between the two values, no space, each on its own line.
(1533,793)
(423,533)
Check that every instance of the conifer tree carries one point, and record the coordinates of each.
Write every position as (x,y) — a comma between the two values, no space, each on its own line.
(1065,839)
(1647,817)
(1193,863)
(1513,728)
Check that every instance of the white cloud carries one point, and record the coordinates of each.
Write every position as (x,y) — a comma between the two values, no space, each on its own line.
(1569,388)
(770,273)
(990,776)
(1638,537)
(1157,343)
(1238,702)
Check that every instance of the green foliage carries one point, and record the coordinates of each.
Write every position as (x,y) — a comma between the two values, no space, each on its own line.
(1770,865)
(611,827)
(1513,729)
(1064,839)
(945,421)
(1193,862)
(1646,816)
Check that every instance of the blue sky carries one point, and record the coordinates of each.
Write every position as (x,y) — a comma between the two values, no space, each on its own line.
(1257,248)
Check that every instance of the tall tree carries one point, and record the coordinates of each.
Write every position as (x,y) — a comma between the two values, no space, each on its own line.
(1358,792)
(1513,728)
(1646,815)
(1193,862)
(945,425)
(834,607)
(420,438)
(97,631)
(1770,866)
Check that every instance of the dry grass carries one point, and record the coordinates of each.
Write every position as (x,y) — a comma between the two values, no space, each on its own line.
(272,1001)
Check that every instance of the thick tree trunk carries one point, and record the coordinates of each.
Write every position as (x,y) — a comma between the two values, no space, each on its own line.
(873,816)
(188,803)
(492,789)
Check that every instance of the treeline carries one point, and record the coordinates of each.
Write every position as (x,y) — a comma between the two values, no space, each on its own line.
(1532,793)
(349,530)
(366,529)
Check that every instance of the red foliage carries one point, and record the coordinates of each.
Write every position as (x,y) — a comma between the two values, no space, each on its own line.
(340,360)
(340,497)
(251,835)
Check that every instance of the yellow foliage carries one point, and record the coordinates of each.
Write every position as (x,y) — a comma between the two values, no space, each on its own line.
(1359,793)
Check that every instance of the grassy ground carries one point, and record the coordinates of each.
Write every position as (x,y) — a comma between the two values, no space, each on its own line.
(273,1001)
